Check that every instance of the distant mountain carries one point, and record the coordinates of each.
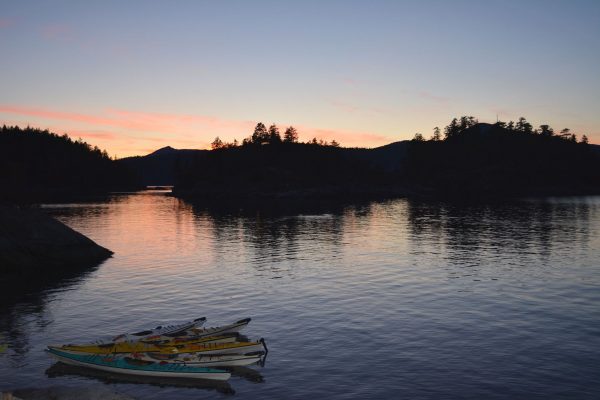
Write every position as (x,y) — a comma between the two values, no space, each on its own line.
(474,161)
(478,161)
(160,167)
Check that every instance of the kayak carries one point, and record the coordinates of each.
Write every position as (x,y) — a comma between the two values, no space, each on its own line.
(131,366)
(176,341)
(133,346)
(160,331)
(140,347)
(219,330)
(192,359)
(193,334)
(199,360)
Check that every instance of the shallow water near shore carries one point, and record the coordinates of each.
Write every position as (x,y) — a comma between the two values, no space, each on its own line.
(390,299)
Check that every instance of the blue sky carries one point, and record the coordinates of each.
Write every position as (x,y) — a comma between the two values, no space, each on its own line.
(135,76)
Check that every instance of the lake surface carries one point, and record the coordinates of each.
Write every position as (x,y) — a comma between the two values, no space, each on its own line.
(395,299)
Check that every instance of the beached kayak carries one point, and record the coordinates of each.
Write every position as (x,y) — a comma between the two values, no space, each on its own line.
(131,366)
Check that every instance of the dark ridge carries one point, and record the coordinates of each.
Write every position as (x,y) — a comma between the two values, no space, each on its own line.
(292,172)
(37,165)
(488,160)
(161,167)
(473,161)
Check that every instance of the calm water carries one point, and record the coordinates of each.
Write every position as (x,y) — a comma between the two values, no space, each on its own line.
(397,299)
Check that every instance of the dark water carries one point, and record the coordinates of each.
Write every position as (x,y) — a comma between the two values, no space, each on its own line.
(397,299)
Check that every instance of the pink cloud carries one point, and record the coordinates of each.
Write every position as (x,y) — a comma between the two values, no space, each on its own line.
(128,120)
(58,32)
(136,129)
(346,138)
(167,121)
(6,23)
(93,135)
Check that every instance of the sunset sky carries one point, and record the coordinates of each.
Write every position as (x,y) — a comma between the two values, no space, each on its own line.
(134,76)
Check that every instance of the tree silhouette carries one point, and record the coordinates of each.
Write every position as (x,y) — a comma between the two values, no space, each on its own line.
(37,165)
(216,144)
(436,134)
(565,134)
(452,129)
(584,139)
(274,137)
(467,122)
(545,130)
(334,143)
(523,126)
(260,135)
(418,137)
(290,135)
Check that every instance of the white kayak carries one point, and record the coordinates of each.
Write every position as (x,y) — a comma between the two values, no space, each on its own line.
(166,330)
(131,366)
(199,360)
(197,333)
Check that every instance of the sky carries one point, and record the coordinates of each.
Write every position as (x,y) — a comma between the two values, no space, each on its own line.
(134,76)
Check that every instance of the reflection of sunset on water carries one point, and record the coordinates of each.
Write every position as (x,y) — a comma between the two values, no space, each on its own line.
(398,279)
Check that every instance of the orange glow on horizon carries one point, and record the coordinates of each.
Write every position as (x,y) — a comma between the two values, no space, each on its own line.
(130,133)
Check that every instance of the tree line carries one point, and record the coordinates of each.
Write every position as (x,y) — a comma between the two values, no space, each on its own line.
(271,136)
(502,159)
(37,164)
(459,125)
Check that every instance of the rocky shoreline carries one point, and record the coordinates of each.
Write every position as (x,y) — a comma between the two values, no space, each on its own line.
(35,249)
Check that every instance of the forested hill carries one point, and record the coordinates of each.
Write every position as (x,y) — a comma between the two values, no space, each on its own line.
(471,160)
(504,160)
(37,165)
(161,167)
(294,171)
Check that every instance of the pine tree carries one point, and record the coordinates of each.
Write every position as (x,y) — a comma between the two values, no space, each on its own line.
(260,135)
(274,136)
(290,135)
(418,138)
(452,129)
(584,139)
(216,144)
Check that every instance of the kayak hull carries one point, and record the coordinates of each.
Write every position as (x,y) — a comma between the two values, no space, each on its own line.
(203,348)
(120,365)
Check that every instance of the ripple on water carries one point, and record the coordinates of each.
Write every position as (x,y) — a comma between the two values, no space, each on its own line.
(396,299)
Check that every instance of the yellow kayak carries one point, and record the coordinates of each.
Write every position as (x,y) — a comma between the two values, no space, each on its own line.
(138,347)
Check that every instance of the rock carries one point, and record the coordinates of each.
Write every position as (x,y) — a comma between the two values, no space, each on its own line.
(38,252)
(32,241)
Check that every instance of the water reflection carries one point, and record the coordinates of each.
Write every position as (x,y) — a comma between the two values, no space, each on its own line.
(24,303)
(499,237)
(59,369)
(269,237)
(420,290)
(523,224)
